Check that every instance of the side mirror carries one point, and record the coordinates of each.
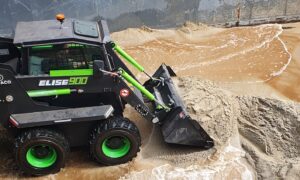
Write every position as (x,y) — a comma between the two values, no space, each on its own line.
(98,65)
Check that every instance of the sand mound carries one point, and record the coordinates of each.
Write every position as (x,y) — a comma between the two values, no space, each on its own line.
(214,108)
(255,137)
(270,134)
(268,128)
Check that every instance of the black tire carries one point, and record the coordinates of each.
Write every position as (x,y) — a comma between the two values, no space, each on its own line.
(41,142)
(109,130)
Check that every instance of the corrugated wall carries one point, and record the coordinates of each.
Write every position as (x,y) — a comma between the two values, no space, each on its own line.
(154,13)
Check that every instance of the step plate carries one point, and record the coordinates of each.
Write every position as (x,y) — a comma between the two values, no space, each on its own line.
(43,118)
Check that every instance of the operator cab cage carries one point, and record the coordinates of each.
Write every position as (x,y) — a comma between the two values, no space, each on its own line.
(52,32)
(57,38)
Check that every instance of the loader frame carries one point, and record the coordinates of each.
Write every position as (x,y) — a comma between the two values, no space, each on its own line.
(84,104)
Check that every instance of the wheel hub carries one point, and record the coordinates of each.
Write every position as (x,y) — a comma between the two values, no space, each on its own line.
(41,156)
(115,142)
(116,147)
(41,152)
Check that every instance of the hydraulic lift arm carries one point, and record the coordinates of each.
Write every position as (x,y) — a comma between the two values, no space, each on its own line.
(129,59)
(131,80)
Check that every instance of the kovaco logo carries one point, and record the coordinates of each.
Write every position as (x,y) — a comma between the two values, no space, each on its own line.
(3,81)
(64,82)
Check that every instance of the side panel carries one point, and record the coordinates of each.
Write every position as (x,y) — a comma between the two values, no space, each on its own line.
(86,90)
(14,99)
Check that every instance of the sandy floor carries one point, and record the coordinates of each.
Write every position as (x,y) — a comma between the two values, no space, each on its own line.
(258,61)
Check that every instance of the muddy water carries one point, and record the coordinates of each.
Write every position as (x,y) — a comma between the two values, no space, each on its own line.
(234,55)
(263,60)
(288,83)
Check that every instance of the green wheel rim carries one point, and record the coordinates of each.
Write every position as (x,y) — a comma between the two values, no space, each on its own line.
(44,162)
(116,153)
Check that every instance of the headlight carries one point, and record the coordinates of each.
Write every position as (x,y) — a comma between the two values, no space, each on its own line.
(9,98)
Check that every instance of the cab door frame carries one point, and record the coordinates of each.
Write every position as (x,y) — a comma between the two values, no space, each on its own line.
(9,54)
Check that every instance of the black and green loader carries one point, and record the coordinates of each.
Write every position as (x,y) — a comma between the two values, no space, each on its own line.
(63,84)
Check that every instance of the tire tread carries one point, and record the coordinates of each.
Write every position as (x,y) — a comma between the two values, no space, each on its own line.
(38,133)
(112,124)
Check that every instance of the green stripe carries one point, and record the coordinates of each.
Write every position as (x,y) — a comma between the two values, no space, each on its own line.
(42,47)
(136,84)
(72,72)
(51,92)
(75,45)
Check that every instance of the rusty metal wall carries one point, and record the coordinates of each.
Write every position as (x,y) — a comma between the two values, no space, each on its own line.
(250,11)
(122,14)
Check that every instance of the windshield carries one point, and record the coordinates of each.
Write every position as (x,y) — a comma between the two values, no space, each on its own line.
(44,58)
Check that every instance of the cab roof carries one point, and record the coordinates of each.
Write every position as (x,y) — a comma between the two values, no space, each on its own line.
(51,32)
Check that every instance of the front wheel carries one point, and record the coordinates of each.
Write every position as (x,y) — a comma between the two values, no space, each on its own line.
(41,151)
(115,141)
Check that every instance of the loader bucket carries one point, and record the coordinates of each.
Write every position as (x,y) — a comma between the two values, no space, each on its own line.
(176,125)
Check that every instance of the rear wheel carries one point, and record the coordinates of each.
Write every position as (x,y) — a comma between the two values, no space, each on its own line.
(115,141)
(41,151)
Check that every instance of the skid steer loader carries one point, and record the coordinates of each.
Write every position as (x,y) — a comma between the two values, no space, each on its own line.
(63,84)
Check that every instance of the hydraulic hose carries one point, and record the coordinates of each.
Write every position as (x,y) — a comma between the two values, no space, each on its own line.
(48,92)
(128,58)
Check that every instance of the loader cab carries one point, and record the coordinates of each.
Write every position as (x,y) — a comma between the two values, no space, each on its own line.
(41,46)
(55,45)
(41,59)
